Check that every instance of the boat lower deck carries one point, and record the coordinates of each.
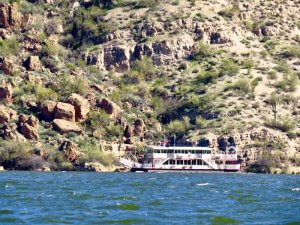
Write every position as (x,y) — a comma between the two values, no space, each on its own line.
(181,170)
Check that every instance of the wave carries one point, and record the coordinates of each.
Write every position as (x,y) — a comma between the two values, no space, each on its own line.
(202,184)
(296,189)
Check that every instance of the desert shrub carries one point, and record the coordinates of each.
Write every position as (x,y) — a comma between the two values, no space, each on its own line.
(92,152)
(86,25)
(229,67)
(282,66)
(201,122)
(207,77)
(272,75)
(9,47)
(241,85)
(229,12)
(285,124)
(147,4)
(13,154)
(67,85)
(144,68)
(97,119)
(203,51)
(179,127)
(50,48)
(289,83)
(248,63)
(42,93)
(291,51)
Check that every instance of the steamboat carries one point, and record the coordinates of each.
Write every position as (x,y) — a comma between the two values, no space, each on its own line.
(184,158)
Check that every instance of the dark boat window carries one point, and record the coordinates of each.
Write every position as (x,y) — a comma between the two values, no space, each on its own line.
(194,162)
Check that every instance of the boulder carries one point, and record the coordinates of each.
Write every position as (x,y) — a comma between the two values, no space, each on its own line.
(81,105)
(29,132)
(6,92)
(6,114)
(10,17)
(94,166)
(4,16)
(9,132)
(116,58)
(47,109)
(64,111)
(28,126)
(33,63)
(65,126)
(7,66)
(109,107)
(70,151)
(139,127)
(128,132)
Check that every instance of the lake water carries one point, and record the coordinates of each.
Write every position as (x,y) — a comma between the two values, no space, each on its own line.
(148,198)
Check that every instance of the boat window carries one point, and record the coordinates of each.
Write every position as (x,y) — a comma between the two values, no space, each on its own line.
(179,162)
(166,162)
(189,162)
(194,162)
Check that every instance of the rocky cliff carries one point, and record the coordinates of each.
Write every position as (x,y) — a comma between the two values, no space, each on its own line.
(80,76)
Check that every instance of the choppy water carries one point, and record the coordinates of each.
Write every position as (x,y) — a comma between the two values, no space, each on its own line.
(146,198)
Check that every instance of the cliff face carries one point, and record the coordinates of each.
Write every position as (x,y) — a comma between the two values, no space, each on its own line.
(131,71)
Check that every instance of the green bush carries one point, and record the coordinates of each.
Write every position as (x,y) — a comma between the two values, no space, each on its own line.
(9,47)
(144,69)
(92,152)
(97,119)
(147,4)
(242,85)
(203,51)
(68,85)
(285,124)
(179,127)
(288,84)
(13,154)
(282,66)
(229,67)
(292,51)
(201,122)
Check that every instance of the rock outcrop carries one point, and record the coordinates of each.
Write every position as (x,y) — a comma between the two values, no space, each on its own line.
(6,93)
(64,111)
(81,105)
(28,126)
(7,114)
(65,126)
(10,17)
(7,66)
(139,127)
(70,151)
(32,63)
(47,109)
(109,107)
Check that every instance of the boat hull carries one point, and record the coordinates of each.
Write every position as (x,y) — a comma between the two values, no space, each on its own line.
(180,170)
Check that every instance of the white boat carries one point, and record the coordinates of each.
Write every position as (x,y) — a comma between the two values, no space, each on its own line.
(171,158)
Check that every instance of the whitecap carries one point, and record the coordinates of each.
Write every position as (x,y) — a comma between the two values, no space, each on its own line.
(202,184)
(296,189)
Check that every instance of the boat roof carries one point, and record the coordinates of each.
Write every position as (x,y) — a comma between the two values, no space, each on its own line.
(158,147)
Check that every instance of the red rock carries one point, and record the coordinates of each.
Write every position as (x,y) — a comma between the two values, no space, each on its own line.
(65,126)
(81,105)
(64,111)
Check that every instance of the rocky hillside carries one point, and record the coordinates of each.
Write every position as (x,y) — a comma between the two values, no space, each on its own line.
(81,81)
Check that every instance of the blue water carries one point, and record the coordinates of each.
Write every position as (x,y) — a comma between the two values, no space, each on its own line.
(147,198)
